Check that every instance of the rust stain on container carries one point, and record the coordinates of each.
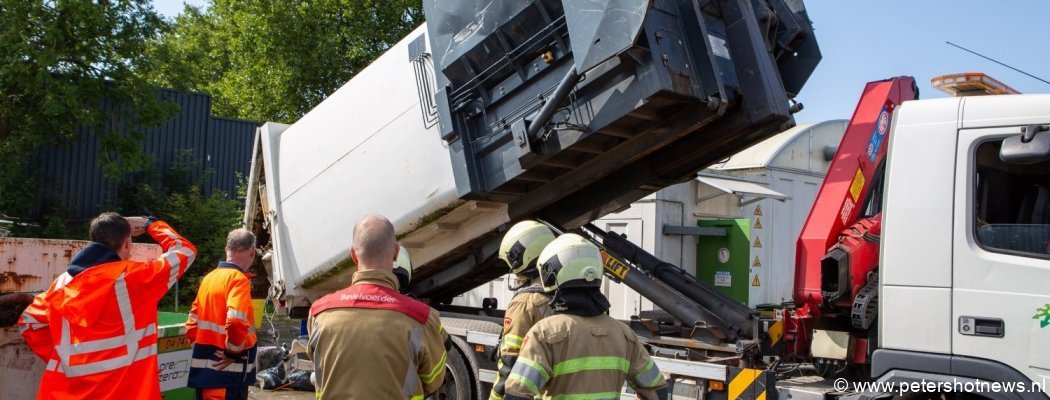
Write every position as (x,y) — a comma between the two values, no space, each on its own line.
(11,278)
(30,265)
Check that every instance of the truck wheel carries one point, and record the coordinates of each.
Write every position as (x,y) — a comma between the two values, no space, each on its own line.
(457,385)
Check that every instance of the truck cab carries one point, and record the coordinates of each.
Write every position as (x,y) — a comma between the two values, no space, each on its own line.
(964,246)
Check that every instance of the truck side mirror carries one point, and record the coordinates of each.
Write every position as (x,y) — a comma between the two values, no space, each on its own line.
(1029,147)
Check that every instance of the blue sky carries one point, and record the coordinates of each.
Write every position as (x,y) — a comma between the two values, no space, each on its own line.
(863,41)
(171,8)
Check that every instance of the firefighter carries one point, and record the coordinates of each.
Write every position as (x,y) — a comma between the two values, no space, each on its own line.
(580,351)
(96,326)
(519,249)
(220,325)
(369,341)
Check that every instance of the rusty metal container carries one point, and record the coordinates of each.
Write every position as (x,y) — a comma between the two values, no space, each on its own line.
(27,267)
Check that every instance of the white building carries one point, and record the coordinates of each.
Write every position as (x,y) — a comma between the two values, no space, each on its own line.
(762,194)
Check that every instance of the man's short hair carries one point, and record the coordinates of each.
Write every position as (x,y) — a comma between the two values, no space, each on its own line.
(240,239)
(110,229)
(374,239)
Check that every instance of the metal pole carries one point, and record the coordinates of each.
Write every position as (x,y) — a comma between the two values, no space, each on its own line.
(736,317)
(562,91)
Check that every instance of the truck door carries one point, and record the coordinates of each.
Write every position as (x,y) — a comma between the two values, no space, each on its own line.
(1001,273)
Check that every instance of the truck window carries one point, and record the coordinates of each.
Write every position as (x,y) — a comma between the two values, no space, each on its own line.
(1012,204)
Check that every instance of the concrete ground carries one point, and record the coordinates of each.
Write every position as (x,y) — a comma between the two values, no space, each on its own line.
(259,394)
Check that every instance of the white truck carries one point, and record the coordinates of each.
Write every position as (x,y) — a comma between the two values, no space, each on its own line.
(565,111)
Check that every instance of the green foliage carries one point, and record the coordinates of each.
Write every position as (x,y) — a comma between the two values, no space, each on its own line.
(59,61)
(56,228)
(205,219)
(273,61)
(180,201)
(176,199)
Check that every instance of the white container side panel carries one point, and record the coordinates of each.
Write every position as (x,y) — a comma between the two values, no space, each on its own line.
(674,207)
(637,223)
(778,226)
(763,241)
(347,119)
(364,150)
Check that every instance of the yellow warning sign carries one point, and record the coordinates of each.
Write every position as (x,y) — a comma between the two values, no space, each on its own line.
(758,209)
(758,223)
(755,282)
(612,265)
(857,185)
(757,263)
(758,243)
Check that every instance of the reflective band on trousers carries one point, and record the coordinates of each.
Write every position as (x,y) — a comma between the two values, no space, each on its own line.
(130,339)
(233,367)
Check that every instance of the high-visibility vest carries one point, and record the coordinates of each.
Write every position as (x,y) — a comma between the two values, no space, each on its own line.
(97,331)
(221,319)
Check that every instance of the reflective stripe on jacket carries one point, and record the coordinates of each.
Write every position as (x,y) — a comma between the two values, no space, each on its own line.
(370,342)
(525,309)
(221,319)
(97,331)
(568,356)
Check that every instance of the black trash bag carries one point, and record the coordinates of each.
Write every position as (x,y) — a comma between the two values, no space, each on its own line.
(300,380)
(271,378)
(269,356)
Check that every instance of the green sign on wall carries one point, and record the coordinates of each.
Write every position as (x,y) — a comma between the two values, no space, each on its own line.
(723,261)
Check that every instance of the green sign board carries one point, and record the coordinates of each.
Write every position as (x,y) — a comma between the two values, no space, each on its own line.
(723,261)
(173,357)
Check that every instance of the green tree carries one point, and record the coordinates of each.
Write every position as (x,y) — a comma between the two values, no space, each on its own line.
(204,220)
(66,63)
(273,61)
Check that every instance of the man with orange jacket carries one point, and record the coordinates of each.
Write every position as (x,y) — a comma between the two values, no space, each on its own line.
(96,326)
(220,325)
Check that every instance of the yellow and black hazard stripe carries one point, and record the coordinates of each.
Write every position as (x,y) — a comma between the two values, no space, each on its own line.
(775,332)
(774,345)
(747,384)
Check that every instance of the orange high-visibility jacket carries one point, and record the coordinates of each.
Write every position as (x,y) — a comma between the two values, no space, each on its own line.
(96,326)
(221,319)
